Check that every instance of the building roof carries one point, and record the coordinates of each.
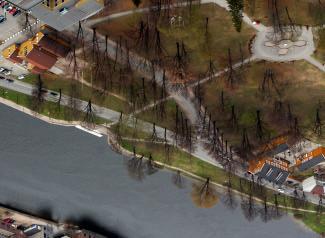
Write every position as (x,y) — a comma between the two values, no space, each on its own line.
(308,184)
(278,149)
(14,57)
(318,189)
(272,173)
(7,52)
(41,58)
(26,4)
(53,46)
(36,70)
(311,162)
(78,11)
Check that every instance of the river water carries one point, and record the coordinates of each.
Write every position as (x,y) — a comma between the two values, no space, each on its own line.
(67,173)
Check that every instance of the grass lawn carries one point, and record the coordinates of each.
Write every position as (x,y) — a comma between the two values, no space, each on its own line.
(313,221)
(299,84)
(55,82)
(200,47)
(130,86)
(153,115)
(49,109)
(320,43)
(304,12)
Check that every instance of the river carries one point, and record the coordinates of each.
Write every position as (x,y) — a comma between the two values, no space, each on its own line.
(70,174)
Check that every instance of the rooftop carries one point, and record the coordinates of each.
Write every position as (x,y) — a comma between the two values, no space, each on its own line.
(78,11)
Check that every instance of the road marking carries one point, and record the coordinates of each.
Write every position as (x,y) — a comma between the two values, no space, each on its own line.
(95,133)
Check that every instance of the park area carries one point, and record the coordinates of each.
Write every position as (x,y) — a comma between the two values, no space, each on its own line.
(302,12)
(198,31)
(287,97)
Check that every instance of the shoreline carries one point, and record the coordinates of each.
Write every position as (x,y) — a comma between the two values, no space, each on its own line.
(116,147)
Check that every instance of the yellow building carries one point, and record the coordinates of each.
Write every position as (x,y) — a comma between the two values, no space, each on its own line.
(53,4)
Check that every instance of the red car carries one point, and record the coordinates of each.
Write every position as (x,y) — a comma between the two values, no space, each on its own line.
(12,11)
(8,221)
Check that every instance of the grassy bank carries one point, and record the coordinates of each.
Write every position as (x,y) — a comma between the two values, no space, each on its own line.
(164,120)
(50,109)
(55,83)
(193,165)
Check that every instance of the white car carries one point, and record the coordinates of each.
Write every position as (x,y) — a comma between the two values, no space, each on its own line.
(2,69)
(280,190)
(22,76)
(63,10)
(7,72)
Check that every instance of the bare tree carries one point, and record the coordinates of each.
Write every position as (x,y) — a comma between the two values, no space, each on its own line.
(38,94)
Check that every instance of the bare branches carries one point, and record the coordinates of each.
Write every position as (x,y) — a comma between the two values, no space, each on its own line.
(89,118)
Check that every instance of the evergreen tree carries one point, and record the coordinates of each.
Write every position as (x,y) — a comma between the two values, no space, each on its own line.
(236,10)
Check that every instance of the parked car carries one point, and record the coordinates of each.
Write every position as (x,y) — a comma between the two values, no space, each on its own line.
(13,10)
(54,93)
(22,76)
(8,221)
(63,10)
(280,190)
(10,80)
(7,6)
(3,4)
(2,78)
(2,18)
(2,69)
(17,13)
(6,72)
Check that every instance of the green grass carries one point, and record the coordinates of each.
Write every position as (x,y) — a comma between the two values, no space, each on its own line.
(125,129)
(313,221)
(54,82)
(129,86)
(46,108)
(200,47)
(153,115)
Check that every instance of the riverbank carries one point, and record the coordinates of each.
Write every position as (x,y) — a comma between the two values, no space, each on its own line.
(120,149)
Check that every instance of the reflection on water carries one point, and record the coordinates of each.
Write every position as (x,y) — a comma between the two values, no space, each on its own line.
(67,174)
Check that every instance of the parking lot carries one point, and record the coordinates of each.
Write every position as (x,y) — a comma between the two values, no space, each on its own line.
(12,31)
(10,26)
